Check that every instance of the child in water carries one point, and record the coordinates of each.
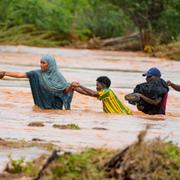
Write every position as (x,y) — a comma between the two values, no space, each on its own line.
(111,104)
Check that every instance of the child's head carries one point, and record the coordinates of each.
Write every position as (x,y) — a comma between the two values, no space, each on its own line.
(102,82)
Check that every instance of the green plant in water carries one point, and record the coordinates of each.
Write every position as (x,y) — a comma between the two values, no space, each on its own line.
(66,126)
(49,146)
(173,152)
(78,166)
(18,166)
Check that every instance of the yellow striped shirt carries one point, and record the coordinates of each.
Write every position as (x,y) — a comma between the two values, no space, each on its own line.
(111,104)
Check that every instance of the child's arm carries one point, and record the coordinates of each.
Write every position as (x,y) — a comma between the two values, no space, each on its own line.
(89,92)
(74,87)
(83,90)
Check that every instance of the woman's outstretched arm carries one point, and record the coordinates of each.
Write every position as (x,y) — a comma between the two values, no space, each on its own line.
(15,74)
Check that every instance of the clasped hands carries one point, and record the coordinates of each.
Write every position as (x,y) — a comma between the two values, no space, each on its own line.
(75,84)
(2,74)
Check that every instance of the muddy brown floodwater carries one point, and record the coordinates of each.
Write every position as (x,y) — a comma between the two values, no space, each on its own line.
(97,129)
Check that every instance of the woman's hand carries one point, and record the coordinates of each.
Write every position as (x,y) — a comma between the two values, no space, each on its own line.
(75,84)
(2,74)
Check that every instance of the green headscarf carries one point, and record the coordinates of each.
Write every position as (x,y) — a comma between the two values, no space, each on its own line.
(53,80)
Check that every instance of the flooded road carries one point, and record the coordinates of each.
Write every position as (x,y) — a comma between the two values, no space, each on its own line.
(97,128)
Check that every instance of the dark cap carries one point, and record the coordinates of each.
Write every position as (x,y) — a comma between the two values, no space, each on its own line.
(153,72)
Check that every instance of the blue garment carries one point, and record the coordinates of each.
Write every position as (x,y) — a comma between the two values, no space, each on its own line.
(48,87)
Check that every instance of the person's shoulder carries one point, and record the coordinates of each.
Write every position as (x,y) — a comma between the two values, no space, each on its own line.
(111,92)
(33,73)
(104,90)
(141,84)
(162,80)
(164,83)
(107,89)
(100,92)
(103,93)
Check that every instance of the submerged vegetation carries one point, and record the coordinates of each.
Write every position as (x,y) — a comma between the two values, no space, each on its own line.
(85,165)
(18,166)
(152,159)
(36,124)
(66,126)
(59,23)
(22,168)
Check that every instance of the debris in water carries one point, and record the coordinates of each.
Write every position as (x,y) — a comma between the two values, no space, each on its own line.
(100,128)
(36,124)
(66,126)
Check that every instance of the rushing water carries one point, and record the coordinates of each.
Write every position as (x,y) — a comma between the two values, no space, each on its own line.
(124,69)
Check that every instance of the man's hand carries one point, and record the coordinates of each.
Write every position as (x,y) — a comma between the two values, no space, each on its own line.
(138,95)
(140,108)
(2,74)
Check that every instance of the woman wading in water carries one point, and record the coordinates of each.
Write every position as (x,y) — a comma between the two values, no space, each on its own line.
(49,88)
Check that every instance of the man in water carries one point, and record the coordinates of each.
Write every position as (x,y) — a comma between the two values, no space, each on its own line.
(151,96)
(111,104)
